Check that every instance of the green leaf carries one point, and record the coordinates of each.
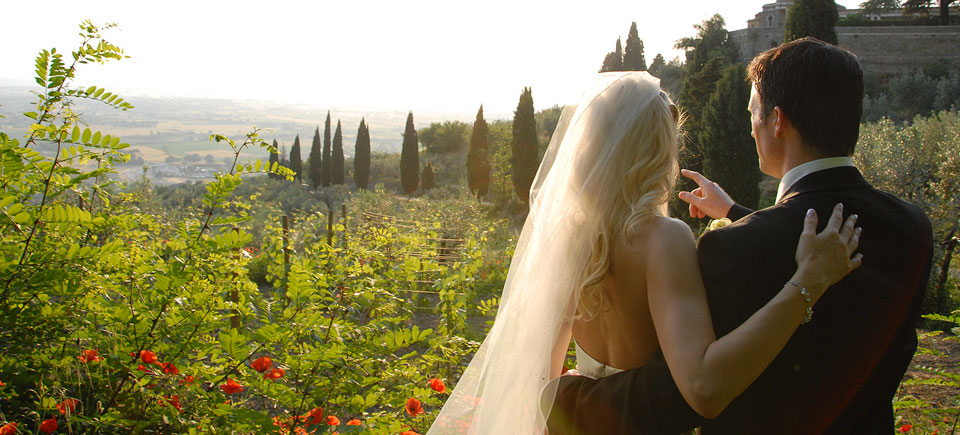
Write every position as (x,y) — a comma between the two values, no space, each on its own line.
(75,135)
(90,90)
(85,138)
(96,139)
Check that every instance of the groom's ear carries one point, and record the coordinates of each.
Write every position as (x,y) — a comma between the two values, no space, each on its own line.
(780,122)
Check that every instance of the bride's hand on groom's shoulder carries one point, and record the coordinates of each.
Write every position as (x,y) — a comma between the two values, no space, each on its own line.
(824,259)
(709,199)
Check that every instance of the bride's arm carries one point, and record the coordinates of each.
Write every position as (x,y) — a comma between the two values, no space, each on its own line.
(711,372)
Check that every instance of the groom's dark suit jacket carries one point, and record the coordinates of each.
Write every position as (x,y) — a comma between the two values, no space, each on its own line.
(837,374)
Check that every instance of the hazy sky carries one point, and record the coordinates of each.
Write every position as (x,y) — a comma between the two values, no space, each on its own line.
(407,55)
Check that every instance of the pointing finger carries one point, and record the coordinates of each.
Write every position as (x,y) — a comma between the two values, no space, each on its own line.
(695,176)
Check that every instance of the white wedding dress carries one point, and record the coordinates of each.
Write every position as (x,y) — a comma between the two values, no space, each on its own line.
(588,366)
(501,390)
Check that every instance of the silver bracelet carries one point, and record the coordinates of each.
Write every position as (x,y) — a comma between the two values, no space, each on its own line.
(808,314)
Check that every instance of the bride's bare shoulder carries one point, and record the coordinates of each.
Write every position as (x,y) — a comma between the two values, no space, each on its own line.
(662,236)
(661,231)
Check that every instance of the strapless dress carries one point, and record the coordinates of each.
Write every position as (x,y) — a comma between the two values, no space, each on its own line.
(590,367)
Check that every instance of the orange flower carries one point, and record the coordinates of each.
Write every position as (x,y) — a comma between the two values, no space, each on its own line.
(148,357)
(89,355)
(438,385)
(187,380)
(333,421)
(231,387)
(174,401)
(906,428)
(314,416)
(142,368)
(409,432)
(8,429)
(274,374)
(2,384)
(68,405)
(353,422)
(261,364)
(413,407)
(170,369)
(49,425)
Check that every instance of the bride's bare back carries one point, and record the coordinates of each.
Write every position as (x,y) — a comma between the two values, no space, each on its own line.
(622,334)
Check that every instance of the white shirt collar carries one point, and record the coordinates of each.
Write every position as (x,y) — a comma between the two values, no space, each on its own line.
(798,172)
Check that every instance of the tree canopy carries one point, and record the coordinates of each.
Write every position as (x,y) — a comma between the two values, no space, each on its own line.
(614,60)
(524,146)
(729,153)
(815,18)
(296,163)
(361,156)
(410,158)
(336,167)
(478,158)
(326,168)
(633,59)
(316,160)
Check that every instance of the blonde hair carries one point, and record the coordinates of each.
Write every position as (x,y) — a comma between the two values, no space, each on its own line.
(647,160)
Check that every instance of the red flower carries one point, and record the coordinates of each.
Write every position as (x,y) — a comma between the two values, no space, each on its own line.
(142,368)
(438,385)
(8,429)
(906,428)
(68,405)
(232,387)
(274,374)
(333,421)
(409,432)
(413,407)
(2,384)
(170,369)
(187,380)
(314,416)
(49,425)
(89,355)
(262,364)
(174,401)
(354,422)
(148,357)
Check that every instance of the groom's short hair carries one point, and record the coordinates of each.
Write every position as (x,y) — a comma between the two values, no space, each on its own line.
(818,86)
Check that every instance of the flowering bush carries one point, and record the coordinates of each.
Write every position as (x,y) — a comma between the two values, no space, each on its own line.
(117,319)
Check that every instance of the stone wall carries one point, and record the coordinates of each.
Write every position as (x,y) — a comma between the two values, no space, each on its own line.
(882,50)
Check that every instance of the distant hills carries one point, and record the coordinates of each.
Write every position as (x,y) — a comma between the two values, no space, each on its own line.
(160,127)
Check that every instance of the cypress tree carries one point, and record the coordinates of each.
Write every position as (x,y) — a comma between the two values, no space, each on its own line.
(525,156)
(361,156)
(815,18)
(478,158)
(296,165)
(729,154)
(427,181)
(707,55)
(410,158)
(316,159)
(614,60)
(274,161)
(337,165)
(633,59)
(325,168)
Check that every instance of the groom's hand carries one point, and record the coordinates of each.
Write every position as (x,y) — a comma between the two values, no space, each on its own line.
(707,200)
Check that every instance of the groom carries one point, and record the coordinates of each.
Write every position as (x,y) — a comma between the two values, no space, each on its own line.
(838,374)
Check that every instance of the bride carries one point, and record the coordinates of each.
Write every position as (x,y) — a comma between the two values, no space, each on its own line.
(599,259)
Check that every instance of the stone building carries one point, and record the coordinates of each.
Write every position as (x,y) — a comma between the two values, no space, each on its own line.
(883,50)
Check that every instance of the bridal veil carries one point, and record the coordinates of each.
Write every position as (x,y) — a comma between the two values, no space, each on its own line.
(576,186)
